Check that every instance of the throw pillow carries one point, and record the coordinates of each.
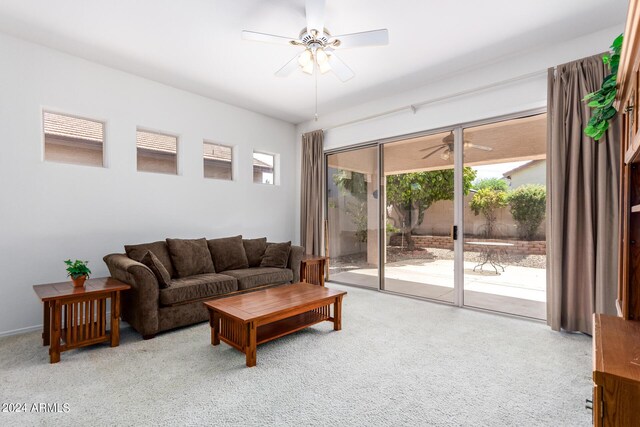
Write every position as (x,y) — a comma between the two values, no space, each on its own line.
(228,253)
(276,255)
(159,249)
(190,256)
(254,248)
(161,273)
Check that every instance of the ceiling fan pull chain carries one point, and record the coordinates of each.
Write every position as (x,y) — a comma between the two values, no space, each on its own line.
(316,77)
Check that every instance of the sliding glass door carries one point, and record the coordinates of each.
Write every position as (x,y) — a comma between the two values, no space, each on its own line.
(504,217)
(455,216)
(418,204)
(352,213)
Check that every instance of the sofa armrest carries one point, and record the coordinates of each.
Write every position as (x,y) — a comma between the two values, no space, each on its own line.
(295,258)
(141,303)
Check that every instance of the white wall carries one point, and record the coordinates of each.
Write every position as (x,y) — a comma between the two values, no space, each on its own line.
(534,174)
(50,212)
(509,98)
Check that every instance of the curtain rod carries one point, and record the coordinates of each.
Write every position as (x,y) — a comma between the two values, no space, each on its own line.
(414,107)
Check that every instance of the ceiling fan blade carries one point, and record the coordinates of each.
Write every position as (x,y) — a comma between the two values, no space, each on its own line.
(341,69)
(366,38)
(315,15)
(267,38)
(289,67)
(429,148)
(478,147)
(432,153)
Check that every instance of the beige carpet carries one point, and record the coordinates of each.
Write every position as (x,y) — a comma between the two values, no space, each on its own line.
(397,361)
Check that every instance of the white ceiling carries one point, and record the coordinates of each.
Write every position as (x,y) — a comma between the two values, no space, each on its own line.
(195,44)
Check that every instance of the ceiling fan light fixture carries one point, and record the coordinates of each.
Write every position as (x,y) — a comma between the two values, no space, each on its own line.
(324,67)
(305,58)
(308,67)
(321,56)
(445,155)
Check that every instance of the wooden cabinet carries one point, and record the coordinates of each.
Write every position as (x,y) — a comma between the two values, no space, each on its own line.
(616,371)
(616,340)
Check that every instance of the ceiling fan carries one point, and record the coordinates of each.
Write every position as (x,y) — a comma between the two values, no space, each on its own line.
(447,147)
(319,45)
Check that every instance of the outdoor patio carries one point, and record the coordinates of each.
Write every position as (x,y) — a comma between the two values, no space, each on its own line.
(520,289)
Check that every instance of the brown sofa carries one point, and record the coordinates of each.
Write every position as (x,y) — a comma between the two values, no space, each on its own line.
(170,279)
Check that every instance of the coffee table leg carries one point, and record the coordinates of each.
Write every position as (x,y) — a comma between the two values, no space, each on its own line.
(46,329)
(251,345)
(214,322)
(337,314)
(54,350)
(115,319)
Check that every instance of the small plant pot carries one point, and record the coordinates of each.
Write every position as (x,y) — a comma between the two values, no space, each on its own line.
(78,282)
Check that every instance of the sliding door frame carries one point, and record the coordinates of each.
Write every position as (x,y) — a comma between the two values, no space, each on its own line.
(458,216)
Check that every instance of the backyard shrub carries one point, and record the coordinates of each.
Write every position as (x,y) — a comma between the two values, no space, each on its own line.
(491,183)
(487,201)
(528,205)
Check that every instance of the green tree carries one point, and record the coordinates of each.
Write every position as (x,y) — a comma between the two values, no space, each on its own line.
(528,205)
(492,183)
(487,201)
(419,190)
(354,184)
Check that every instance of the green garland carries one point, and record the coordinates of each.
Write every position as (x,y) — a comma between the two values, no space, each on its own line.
(602,100)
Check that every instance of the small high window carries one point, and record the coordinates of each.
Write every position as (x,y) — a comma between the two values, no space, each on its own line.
(218,161)
(69,139)
(263,168)
(157,152)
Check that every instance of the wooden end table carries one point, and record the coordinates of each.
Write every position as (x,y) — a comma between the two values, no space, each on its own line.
(312,269)
(248,320)
(77,317)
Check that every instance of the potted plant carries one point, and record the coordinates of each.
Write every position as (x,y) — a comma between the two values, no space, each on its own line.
(78,271)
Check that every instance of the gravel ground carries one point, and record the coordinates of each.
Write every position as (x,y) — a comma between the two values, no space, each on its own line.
(395,253)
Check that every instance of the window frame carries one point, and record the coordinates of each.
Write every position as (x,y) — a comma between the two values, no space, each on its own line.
(232,162)
(103,122)
(274,167)
(178,171)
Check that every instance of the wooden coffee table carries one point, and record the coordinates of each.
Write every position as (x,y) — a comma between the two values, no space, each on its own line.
(245,321)
(77,317)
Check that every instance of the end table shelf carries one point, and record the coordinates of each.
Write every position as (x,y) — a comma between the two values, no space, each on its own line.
(77,317)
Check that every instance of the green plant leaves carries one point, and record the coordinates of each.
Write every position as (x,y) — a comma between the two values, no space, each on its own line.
(77,268)
(602,100)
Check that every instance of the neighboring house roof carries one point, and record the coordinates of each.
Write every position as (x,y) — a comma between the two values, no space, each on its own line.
(156,142)
(261,164)
(89,130)
(73,127)
(217,152)
(222,153)
(520,168)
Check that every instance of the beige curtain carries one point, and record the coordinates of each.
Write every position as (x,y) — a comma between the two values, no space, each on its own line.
(311,197)
(583,180)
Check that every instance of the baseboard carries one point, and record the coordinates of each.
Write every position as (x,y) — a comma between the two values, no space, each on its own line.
(39,328)
(21,331)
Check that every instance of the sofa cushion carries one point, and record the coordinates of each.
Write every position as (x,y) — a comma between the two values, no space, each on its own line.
(161,273)
(257,276)
(228,253)
(197,287)
(190,257)
(276,255)
(159,249)
(254,248)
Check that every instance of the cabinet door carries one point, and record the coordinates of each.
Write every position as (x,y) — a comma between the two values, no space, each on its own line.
(597,406)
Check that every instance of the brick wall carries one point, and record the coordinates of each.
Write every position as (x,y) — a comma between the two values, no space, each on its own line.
(521,247)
